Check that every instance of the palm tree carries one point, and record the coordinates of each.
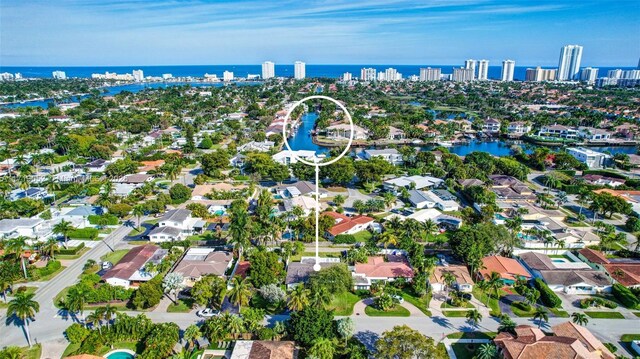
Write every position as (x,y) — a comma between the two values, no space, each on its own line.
(388,238)
(323,348)
(495,283)
(17,247)
(109,312)
(320,297)
(240,294)
(579,318)
(138,211)
(541,315)
(235,325)
(5,285)
(239,229)
(486,351)
(449,279)
(95,319)
(298,298)
(474,317)
(23,307)
(76,299)
(389,199)
(50,247)
(191,334)
(63,227)
(430,226)
(12,352)
(506,325)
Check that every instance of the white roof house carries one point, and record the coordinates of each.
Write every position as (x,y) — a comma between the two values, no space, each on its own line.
(390,155)
(175,225)
(414,182)
(36,228)
(286,157)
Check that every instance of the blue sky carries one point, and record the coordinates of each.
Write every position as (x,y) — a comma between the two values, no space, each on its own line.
(175,32)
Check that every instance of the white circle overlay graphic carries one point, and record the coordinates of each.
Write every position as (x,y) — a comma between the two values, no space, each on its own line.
(286,120)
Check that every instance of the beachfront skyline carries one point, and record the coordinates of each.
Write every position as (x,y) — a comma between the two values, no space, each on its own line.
(125,32)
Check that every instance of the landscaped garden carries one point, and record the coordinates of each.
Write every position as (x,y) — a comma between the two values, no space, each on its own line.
(396,311)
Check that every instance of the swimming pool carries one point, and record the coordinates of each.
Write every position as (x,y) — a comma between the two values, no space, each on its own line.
(559,260)
(120,354)
(527,237)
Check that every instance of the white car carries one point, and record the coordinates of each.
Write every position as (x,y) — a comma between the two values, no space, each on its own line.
(398,298)
(107,265)
(208,313)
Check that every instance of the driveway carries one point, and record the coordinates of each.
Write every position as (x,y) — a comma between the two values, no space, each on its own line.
(358,308)
(506,301)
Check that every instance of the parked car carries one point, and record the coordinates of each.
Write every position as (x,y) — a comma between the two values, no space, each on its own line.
(398,298)
(107,265)
(208,313)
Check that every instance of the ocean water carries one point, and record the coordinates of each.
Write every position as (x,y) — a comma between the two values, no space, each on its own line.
(329,71)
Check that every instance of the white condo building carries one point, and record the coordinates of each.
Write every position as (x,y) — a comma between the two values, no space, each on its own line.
(471,64)
(167,76)
(589,74)
(347,76)
(392,74)
(227,76)
(462,74)
(268,70)
(299,70)
(614,74)
(569,64)
(138,75)
(368,74)
(508,68)
(483,69)
(59,75)
(430,74)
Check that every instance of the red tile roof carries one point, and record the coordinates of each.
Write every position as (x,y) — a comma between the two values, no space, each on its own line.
(594,256)
(376,267)
(345,223)
(508,268)
(131,262)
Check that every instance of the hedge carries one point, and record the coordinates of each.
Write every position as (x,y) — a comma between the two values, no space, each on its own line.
(71,251)
(50,268)
(344,239)
(84,233)
(111,219)
(596,301)
(625,296)
(548,297)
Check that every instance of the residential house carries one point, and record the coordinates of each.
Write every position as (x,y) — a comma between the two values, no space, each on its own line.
(199,262)
(390,155)
(378,269)
(568,340)
(593,134)
(255,146)
(300,188)
(176,225)
(564,275)
(558,131)
(396,134)
(463,281)
(135,179)
(420,200)
(342,131)
(97,166)
(131,270)
(31,192)
(491,126)
(602,180)
(36,228)
(259,349)
(290,157)
(509,269)
(591,158)
(347,225)
(306,203)
(443,200)
(625,271)
(299,272)
(411,182)
(510,189)
(518,128)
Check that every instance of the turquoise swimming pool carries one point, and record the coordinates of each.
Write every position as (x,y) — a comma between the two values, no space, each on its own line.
(120,355)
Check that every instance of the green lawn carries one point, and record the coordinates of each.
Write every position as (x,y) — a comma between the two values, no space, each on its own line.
(363,236)
(343,304)
(73,256)
(472,335)
(558,312)
(71,348)
(455,313)
(465,350)
(420,303)
(183,306)
(629,337)
(446,305)
(32,353)
(492,302)
(135,232)
(50,276)
(637,314)
(523,313)
(605,315)
(397,311)
(114,257)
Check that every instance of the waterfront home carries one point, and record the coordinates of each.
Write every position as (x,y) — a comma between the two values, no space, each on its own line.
(566,275)
(299,272)
(36,228)
(567,340)
(131,270)
(381,268)
(463,281)
(176,225)
(509,269)
(199,262)
(390,155)
(518,128)
(625,271)
(300,188)
(411,182)
(420,200)
(508,188)
(627,131)
(342,131)
(593,134)
(602,180)
(558,131)
(347,225)
(591,158)
(396,134)
(491,126)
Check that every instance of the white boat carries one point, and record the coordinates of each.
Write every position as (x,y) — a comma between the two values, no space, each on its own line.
(445,143)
